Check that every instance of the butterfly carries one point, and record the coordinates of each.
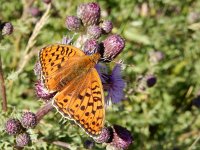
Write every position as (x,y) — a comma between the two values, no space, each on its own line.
(70,73)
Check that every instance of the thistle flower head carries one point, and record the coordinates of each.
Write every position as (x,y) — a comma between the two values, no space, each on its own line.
(94,31)
(107,26)
(13,126)
(42,92)
(91,46)
(73,23)
(29,120)
(89,13)
(7,28)
(113,45)
(122,138)
(105,136)
(23,139)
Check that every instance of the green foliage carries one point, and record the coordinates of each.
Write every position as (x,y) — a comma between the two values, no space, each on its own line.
(160,117)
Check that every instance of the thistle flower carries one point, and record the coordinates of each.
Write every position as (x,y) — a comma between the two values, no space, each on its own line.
(115,85)
(89,13)
(23,139)
(107,26)
(105,136)
(151,80)
(88,144)
(94,31)
(42,92)
(122,138)
(91,46)
(73,23)
(13,126)
(29,120)
(7,28)
(113,45)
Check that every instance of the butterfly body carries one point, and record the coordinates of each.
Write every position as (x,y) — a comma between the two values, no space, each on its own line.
(69,72)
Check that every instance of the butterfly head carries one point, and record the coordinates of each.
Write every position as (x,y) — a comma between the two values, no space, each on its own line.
(95,57)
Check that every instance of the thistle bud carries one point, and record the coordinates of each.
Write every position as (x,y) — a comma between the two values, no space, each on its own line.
(42,92)
(94,31)
(122,138)
(113,45)
(7,28)
(89,13)
(73,23)
(29,120)
(13,126)
(23,139)
(34,11)
(105,136)
(107,26)
(88,144)
(151,80)
(91,46)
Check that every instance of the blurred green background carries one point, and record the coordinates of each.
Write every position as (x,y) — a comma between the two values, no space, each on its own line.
(163,117)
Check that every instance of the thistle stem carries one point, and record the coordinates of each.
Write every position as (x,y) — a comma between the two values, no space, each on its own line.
(44,110)
(3,89)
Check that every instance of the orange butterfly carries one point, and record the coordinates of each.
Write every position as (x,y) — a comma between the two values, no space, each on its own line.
(69,72)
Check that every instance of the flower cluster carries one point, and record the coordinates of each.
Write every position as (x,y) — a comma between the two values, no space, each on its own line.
(95,36)
(19,128)
(88,19)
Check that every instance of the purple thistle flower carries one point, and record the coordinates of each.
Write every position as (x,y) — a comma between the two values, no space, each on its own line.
(113,45)
(94,31)
(42,92)
(29,120)
(91,46)
(23,139)
(122,138)
(115,85)
(151,80)
(73,23)
(13,126)
(89,13)
(7,28)
(107,26)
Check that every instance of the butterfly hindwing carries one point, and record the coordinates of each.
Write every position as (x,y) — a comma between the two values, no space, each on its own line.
(85,104)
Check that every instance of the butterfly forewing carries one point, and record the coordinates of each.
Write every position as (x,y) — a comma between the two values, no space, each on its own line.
(52,59)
